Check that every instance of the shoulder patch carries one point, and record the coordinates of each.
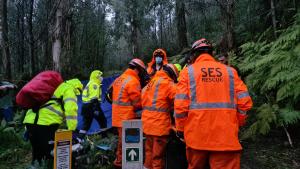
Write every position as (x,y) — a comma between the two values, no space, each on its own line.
(95,86)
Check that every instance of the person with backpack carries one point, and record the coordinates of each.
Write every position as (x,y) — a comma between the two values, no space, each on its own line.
(91,98)
(42,122)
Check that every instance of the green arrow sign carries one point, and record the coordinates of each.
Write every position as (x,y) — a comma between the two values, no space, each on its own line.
(132,154)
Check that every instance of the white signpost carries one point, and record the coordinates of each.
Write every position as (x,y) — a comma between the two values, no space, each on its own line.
(132,144)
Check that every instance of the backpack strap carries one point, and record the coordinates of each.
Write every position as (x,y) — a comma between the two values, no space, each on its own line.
(36,109)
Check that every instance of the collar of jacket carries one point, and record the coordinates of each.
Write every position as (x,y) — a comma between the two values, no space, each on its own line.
(204,57)
(162,74)
(132,73)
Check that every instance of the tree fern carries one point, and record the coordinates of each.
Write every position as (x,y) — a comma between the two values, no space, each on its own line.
(273,73)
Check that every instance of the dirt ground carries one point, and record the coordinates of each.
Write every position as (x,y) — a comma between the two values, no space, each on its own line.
(268,152)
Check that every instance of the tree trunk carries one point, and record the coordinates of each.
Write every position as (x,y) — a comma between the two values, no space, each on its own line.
(20,34)
(31,39)
(161,23)
(230,19)
(273,18)
(155,31)
(227,12)
(47,61)
(134,38)
(181,24)
(1,36)
(134,29)
(57,36)
(66,35)
(4,40)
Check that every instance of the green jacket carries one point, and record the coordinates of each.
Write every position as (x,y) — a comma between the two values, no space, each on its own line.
(93,89)
(56,113)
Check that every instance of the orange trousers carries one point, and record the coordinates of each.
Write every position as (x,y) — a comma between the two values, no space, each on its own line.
(118,160)
(217,159)
(155,150)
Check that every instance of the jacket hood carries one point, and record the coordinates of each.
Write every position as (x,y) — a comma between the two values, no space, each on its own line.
(95,76)
(150,64)
(76,84)
(165,59)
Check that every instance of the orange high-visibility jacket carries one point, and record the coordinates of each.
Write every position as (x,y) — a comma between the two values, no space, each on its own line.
(126,97)
(208,98)
(157,102)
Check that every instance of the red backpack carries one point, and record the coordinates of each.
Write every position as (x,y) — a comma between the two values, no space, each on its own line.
(39,90)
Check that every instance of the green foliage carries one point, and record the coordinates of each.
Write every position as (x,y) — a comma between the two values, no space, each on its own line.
(13,149)
(273,73)
(94,158)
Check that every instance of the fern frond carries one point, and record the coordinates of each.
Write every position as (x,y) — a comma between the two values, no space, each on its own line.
(288,116)
(250,132)
(273,67)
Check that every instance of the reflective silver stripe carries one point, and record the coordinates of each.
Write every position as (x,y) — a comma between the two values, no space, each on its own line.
(181,97)
(156,92)
(195,105)
(70,99)
(121,103)
(231,84)
(179,116)
(212,105)
(242,95)
(192,84)
(241,111)
(156,109)
(154,101)
(53,110)
(122,88)
(71,117)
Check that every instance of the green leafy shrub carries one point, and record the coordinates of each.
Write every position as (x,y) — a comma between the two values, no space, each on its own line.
(272,73)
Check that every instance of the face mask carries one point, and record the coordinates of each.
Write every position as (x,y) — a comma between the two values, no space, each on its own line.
(158,60)
(100,78)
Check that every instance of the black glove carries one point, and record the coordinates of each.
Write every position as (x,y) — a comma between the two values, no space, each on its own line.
(180,135)
(78,135)
(95,102)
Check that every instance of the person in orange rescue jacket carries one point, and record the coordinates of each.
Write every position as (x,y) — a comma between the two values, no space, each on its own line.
(157,101)
(159,58)
(210,104)
(126,100)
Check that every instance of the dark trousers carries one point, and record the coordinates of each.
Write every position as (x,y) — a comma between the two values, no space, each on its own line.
(89,113)
(39,137)
(7,114)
